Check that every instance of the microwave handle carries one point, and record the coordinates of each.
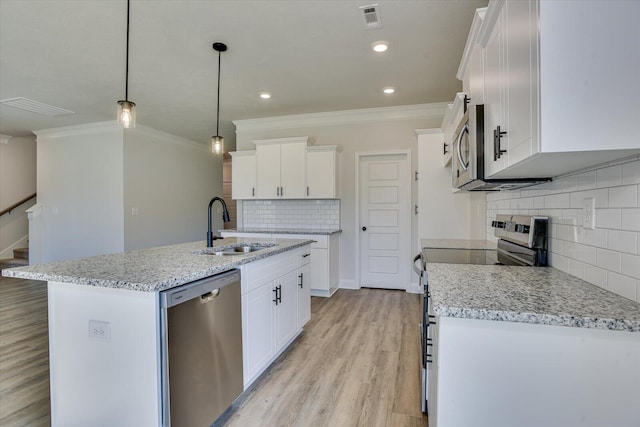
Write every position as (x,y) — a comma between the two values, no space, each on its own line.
(459,142)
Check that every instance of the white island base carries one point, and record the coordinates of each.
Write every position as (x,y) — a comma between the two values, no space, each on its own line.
(502,374)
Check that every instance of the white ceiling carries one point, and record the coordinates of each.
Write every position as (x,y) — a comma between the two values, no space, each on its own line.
(313,56)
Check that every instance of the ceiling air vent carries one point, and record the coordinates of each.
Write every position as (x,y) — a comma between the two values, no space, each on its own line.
(35,107)
(371,16)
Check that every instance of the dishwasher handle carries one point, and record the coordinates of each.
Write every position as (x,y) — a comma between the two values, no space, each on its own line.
(198,289)
(209,296)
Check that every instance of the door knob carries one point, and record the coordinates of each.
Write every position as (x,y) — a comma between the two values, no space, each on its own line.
(364,228)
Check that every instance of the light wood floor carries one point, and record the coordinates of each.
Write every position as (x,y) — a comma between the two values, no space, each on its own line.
(24,353)
(356,364)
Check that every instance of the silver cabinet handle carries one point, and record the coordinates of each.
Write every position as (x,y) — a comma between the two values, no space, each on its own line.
(464,129)
(281,191)
(307,190)
(300,276)
(253,192)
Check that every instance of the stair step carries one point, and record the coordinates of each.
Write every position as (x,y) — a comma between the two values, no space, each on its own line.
(13,262)
(21,253)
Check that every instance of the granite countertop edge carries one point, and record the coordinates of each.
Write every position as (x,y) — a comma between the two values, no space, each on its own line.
(282,231)
(80,270)
(535,295)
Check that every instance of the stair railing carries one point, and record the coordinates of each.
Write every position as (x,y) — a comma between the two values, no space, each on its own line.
(15,205)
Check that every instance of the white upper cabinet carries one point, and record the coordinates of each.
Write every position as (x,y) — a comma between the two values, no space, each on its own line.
(280,168)
(243,174)
(322,172)
(558,83)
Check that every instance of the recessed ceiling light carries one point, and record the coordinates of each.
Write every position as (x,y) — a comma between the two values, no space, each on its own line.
(380,46)
(388,90)
(265,95)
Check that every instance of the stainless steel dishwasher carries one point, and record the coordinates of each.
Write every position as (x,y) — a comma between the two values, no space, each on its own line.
(201,326)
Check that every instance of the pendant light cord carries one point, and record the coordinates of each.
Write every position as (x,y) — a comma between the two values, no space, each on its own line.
(218,107)
(126,84)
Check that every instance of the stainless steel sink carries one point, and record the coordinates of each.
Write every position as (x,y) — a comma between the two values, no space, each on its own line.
(240,249)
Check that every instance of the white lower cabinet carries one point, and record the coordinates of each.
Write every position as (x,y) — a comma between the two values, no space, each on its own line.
(304,288)
(324,278)
(274,309)
(498,373)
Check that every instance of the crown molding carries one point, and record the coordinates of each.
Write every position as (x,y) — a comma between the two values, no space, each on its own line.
(472,40)
(4,139)
(291,140)
(345,117)
(84,129)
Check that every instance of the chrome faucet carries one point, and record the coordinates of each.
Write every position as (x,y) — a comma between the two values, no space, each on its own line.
(225,218)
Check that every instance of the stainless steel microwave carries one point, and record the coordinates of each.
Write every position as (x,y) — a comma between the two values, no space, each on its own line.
(468,157)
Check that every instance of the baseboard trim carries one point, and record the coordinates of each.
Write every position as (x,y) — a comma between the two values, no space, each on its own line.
(414,288)
(348,284)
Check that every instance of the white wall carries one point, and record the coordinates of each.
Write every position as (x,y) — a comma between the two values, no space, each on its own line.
(380,135)
(607,256)
(169,181)
(91,176)
(80,188)
(17,181)
(443,214)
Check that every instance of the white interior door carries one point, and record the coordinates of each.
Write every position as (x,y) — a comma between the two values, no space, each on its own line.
(384,190)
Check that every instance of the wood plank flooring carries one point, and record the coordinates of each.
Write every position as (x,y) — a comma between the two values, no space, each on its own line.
(356,364)
(24,353)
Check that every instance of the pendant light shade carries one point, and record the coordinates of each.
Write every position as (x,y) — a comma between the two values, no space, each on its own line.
(217,142)
(127,109)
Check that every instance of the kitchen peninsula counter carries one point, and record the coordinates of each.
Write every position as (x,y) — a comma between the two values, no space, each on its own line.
(155,269)
(538,295)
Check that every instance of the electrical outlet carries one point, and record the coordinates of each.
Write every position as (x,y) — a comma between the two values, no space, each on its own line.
(589,213)
(135,211)
(99,330)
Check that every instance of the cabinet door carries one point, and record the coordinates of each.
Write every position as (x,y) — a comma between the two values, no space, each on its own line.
(287,309)
(258,328)
(520,39)
(494,107)
(243,177)
(293,170)
(304,295)
(268,171)
(321,175)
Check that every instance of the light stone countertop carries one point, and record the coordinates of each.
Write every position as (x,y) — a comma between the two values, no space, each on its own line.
(154,269)
(281,231)
(541,295)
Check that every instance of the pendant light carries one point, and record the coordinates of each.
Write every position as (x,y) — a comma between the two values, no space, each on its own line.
(217,142)
(126,108)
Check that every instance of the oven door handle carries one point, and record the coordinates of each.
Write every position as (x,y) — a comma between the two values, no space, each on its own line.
(417,269)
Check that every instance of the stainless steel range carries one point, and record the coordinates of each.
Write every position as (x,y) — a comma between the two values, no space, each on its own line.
(522,241)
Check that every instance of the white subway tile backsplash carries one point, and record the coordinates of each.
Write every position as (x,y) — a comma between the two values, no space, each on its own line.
(622,285)
(631,173)
(623,241)
(303,214)
(609,218)
(609,176)
(623,197)
(609,255)
(631,219)
(596,275)
(630,265)
(608,260)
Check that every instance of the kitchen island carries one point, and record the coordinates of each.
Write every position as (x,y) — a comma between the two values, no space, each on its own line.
(114,376)
(530,346)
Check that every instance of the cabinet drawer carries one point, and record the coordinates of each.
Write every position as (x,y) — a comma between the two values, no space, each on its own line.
(257,273)
(319,240)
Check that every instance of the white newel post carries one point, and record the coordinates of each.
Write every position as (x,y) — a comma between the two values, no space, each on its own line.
(34,214)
